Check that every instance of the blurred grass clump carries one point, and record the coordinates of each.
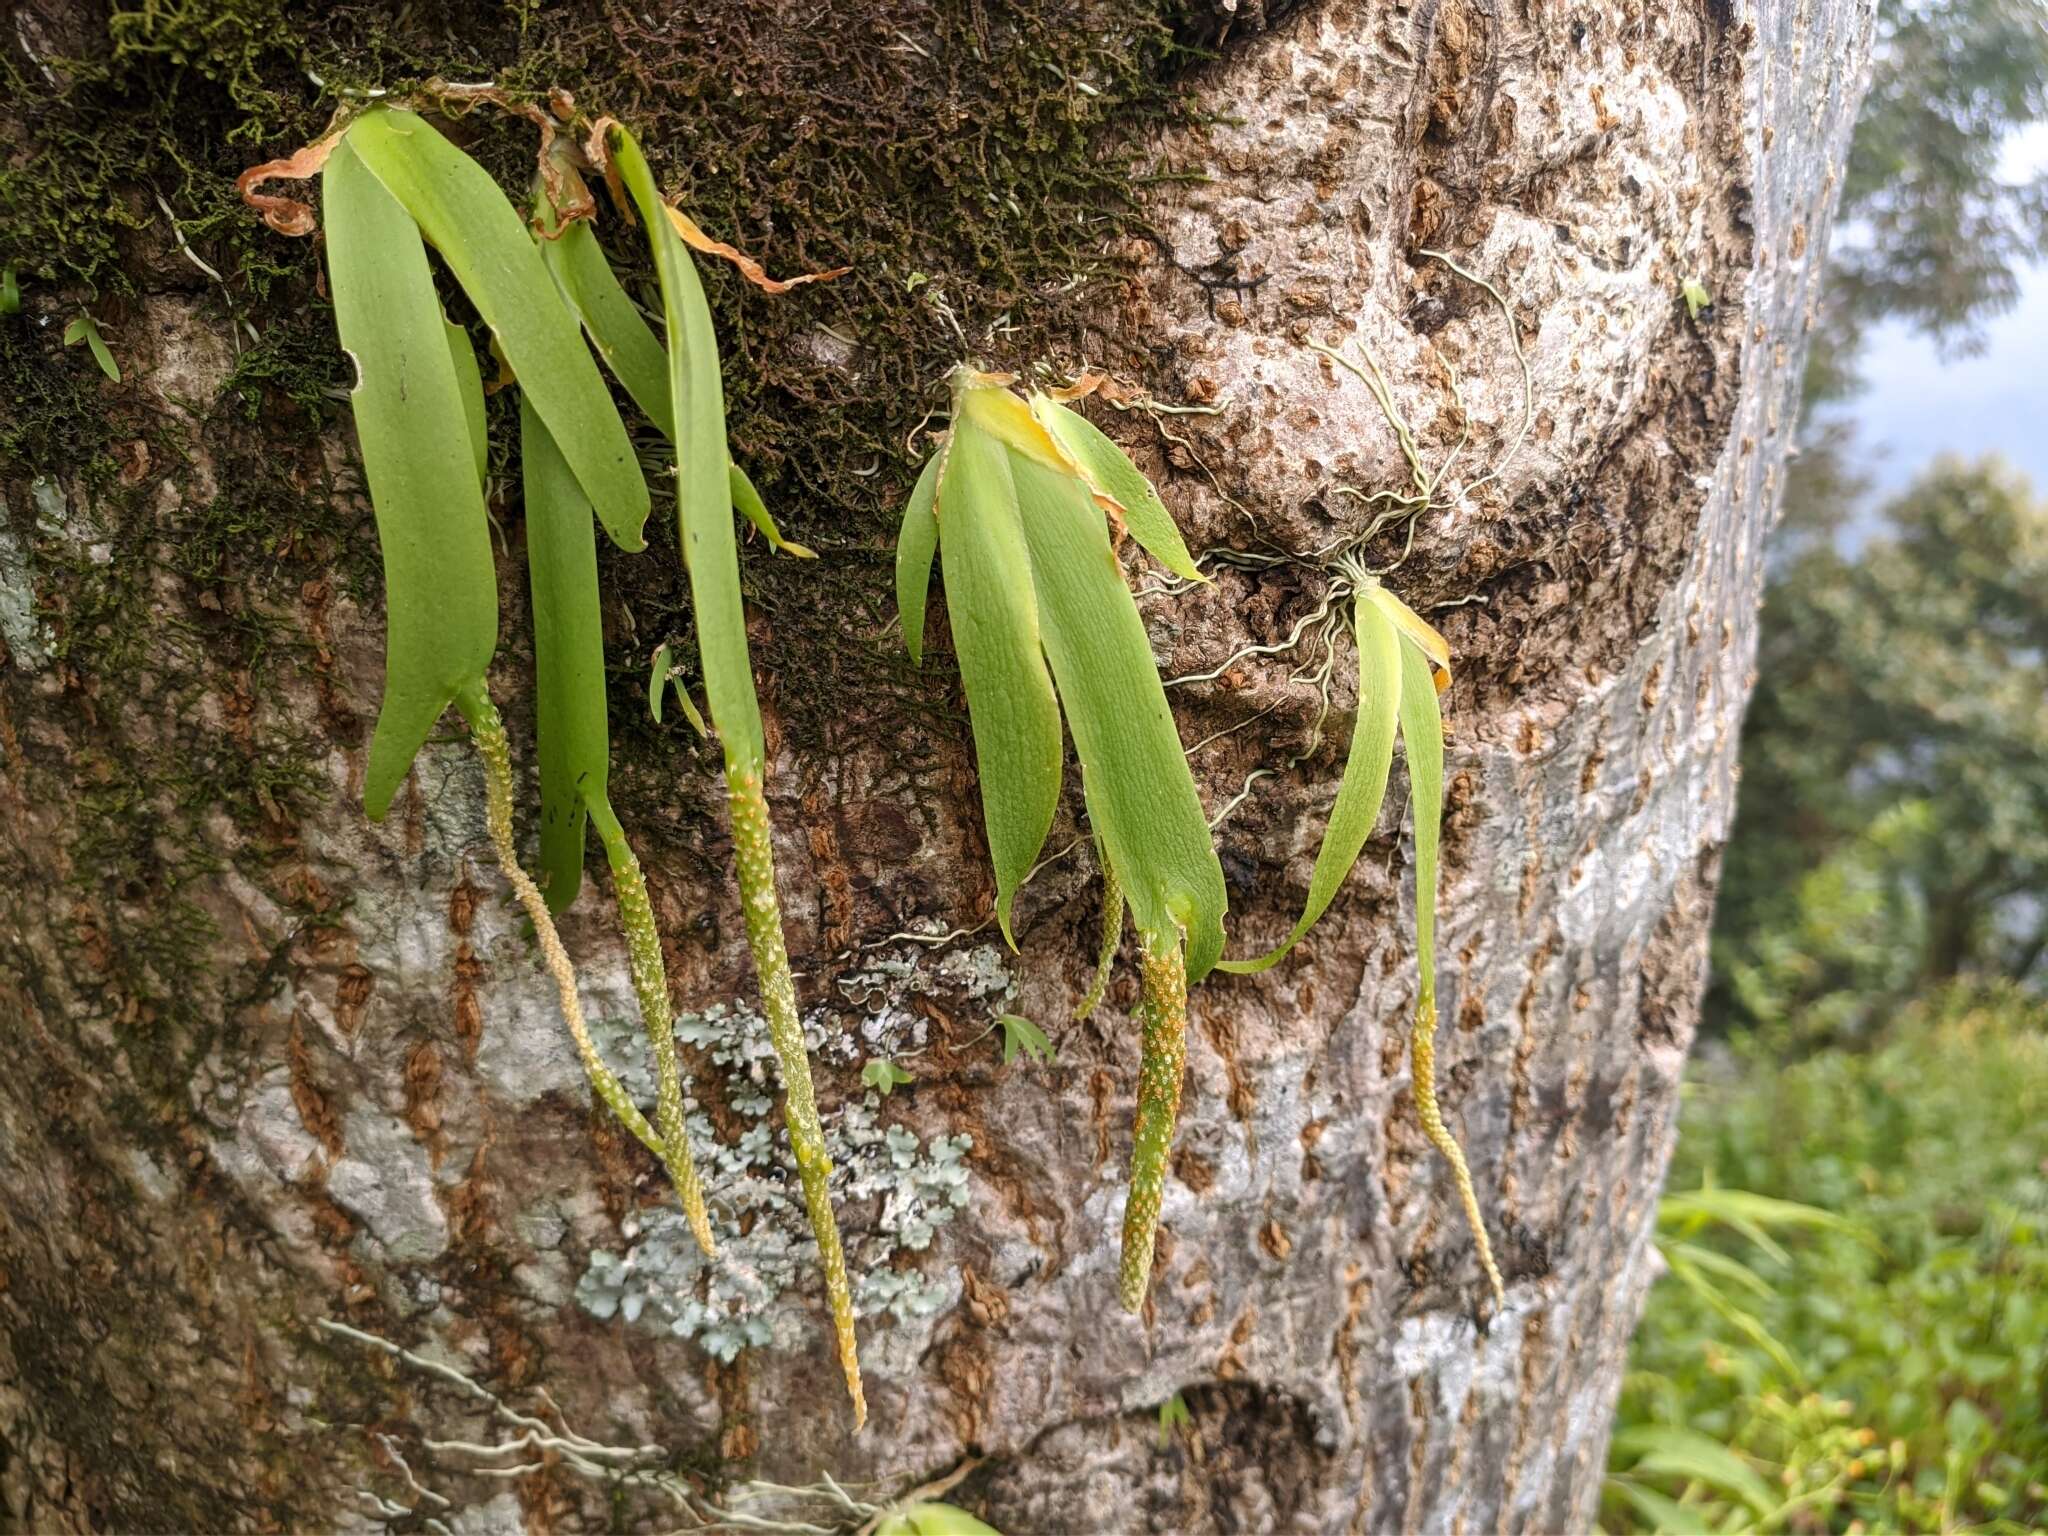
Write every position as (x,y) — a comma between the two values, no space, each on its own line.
(1852,1333)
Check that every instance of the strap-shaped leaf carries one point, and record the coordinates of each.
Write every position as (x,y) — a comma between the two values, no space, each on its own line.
(1422,736)
(572,734)
(1411,624)
(1141,797)
(630,349)
(1115,478)
(440,590)
(611,319)
(1364,784)
(986,400)
(487,247)
(469,379)
(988,570)
(703,483)
(755,510)
(915,546)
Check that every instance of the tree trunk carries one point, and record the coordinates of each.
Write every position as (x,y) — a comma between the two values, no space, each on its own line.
(274,1068)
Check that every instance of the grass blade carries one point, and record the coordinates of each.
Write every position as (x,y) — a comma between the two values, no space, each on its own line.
(1674,1451)
(1665,1516)
(994,616)
(916,546)
(440,587)
(1141,796)
(488,248)
(1364,784)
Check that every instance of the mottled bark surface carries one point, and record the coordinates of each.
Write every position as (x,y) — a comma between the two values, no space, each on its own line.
(378,1118)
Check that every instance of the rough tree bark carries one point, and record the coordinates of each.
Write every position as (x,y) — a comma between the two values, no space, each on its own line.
(378,1119)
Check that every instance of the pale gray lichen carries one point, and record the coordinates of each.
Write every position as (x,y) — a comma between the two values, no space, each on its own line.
(27,637)
(892,1188)
(879,990)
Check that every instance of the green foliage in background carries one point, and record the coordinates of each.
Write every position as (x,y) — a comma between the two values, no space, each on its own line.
(1889,1368)
(1928,231)
(1893,828)
(1940,236)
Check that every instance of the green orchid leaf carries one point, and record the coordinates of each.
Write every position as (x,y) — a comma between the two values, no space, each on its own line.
(440,587)
(755,511)
(635,356)
(1111,475)
(469,379)
(1020,1035)
(486,245)
(990,600)
(1141,796)
(613,322)
(1173,1414)
(932,1520)
(945,1520)
(572,734)
(916,546)
(1422,736)
(704,505)
(1415,628)
(657,680)
(84,328)
(1364,784)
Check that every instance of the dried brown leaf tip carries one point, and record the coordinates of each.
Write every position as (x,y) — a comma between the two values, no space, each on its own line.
(287,215)
(750,269)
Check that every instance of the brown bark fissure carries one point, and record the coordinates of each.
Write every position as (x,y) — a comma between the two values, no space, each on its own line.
(366,1109)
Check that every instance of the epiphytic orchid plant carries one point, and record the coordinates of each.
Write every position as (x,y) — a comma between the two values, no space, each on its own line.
(1014,504)
(389,178)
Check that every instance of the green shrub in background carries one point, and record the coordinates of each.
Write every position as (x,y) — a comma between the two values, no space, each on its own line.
(1880,1370)
(1893,829)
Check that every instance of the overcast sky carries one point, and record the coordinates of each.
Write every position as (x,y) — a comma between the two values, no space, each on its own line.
(1917,406)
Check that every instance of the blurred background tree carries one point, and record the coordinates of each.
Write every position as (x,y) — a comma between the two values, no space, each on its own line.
(1893,831)
(1852,1333)
(1935,232)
